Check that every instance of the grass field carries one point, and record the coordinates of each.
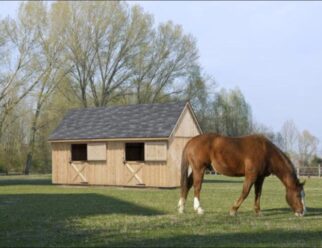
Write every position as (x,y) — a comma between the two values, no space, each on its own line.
(35,213)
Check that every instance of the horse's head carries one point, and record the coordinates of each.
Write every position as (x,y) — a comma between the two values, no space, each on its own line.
(296,199)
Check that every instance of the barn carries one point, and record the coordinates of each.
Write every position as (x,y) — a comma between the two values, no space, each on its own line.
(132,145)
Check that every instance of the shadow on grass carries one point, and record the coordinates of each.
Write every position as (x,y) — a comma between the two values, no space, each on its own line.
(24,180)
(222,181)
(275,211)
(42,220)
(70,205)
(272,238)
(314,212)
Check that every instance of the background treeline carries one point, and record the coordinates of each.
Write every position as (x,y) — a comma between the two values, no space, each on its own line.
(62,55)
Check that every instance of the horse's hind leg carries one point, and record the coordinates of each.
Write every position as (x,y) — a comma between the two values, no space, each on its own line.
(184,193)
(197,182)
(258,191)
(248,183)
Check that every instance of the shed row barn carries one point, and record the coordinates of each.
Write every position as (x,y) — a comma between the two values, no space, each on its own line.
(133,145)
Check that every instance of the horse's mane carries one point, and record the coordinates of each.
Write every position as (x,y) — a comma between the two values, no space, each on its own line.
(287,161)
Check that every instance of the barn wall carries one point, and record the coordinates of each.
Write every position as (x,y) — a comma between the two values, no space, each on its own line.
(63,171)
(151,173)
(176,146)
(60,160)
(113,171)
(186,126)
(185,130)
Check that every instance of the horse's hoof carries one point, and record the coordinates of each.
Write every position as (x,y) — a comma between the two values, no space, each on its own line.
(181,210)
(258,214)
(200,211)
(232,212)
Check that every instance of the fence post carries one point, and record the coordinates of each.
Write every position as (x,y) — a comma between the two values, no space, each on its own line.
(298,170)
(319,170)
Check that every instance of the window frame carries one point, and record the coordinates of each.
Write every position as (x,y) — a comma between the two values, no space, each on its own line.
(73,152)
(142,155)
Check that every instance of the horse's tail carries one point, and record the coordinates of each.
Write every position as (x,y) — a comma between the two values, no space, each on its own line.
(185,179)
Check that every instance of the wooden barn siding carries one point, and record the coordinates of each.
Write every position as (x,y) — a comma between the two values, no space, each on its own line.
(115,168)
(109,172)
(60,158)
(185,130)
(153,174)
(174,160)
(64,173)
(186,126)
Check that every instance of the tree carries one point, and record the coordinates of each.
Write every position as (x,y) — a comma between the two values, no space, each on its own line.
(196,91)
(79,54)
(316,161)
(232,114)
(17,50)
(290,135)
(45,65)
(164,64)
(13,146)
(275,137)
(307,147)
(114,50)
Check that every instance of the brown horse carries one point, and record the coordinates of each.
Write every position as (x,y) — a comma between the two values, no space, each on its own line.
(254,157)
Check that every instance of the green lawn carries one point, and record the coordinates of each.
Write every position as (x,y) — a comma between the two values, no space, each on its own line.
(35,213)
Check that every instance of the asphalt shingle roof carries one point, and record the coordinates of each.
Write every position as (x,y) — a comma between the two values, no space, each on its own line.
(130,121)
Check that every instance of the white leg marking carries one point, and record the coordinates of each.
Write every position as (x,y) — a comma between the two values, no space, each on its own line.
(181,205)
(196,203)
(189,171)
(303,201)
(196,206)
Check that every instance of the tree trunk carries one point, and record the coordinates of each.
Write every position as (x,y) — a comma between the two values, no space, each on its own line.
(28,163)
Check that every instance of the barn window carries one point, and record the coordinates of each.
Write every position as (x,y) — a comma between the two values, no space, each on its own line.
(155,151)
(79,152)
(134,151)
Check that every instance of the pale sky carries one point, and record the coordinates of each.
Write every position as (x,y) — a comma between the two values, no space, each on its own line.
(272,51)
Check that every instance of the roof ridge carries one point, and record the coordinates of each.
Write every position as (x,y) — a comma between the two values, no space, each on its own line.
(128,105)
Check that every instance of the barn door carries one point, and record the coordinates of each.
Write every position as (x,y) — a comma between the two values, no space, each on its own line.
(134,173)
(120,171)
(77,162)
(77,173)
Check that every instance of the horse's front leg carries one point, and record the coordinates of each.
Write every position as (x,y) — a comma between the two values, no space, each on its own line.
(258,191)
(197,182)
(248,183)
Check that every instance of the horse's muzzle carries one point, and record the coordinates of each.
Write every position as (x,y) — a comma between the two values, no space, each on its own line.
(300,214)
